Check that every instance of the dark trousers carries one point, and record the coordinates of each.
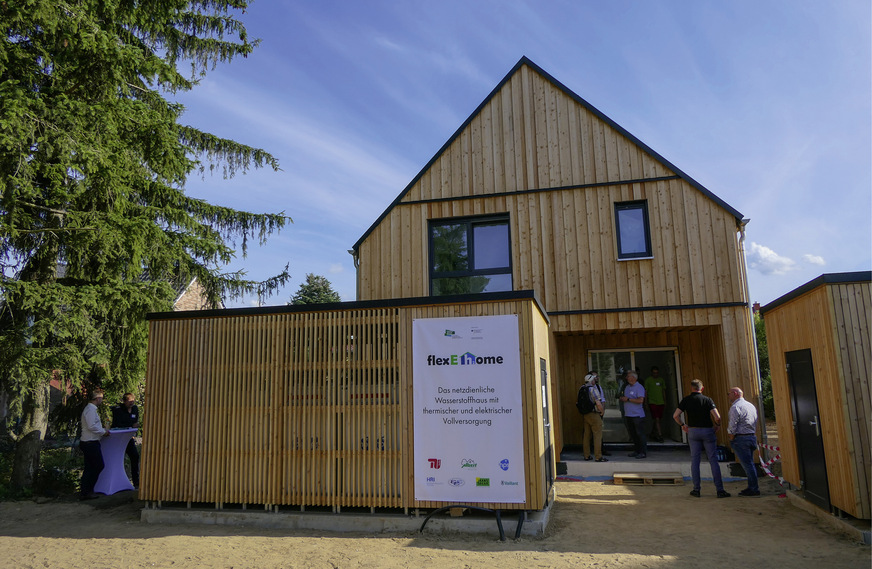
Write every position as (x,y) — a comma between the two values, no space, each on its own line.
(93,465)
(133,455)
(640,440)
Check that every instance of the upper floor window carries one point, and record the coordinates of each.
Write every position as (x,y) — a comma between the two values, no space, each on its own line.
(633,233)
(470,255)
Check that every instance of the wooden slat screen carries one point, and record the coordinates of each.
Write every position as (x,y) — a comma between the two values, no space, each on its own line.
(302,408)
(275,409)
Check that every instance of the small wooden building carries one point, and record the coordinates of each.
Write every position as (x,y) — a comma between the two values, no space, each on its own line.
(636,263)
(821,356)
(312,406)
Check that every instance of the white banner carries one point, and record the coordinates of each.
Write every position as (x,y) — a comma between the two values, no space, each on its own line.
(468,421)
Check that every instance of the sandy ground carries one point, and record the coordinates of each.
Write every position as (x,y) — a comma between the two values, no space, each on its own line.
(593,524)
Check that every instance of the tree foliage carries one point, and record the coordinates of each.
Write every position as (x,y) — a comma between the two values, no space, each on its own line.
(765,374)
(316,290)
(95,226)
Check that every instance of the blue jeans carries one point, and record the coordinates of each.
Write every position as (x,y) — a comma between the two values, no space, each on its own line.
(744,447)
(697,438)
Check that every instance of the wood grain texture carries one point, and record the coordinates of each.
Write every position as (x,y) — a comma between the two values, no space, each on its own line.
(832,321)
(308,409)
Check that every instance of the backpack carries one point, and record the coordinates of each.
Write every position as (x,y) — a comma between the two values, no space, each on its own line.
(583,403)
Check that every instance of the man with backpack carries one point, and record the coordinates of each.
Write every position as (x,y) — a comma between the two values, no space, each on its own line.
(591,405)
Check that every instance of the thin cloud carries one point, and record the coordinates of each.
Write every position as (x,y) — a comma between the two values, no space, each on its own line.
(814,260)
(767,261)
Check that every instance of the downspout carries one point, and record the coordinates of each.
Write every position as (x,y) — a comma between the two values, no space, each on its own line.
(753,333)
(354,254)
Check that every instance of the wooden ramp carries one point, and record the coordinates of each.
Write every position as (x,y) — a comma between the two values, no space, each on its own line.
(648,478)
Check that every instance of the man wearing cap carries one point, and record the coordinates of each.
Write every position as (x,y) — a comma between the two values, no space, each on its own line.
(742,430)
(592,423)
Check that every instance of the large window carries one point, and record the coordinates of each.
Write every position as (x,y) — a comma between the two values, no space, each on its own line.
(631,224)
(470,255)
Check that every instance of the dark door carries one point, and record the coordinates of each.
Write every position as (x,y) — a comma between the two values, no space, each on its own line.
(549,452)
(807,427)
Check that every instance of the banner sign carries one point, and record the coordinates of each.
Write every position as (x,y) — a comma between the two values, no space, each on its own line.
(468,424)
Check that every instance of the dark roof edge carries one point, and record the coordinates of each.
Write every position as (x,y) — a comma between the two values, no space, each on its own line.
(355,305)
(525,61)
(828,278)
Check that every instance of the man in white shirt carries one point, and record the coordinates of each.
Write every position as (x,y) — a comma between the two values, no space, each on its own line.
(92,432)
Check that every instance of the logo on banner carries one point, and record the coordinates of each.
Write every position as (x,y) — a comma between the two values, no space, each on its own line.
(467,359)
(449,333)
(468,463)
(482,481)
(508,483)
(435,462)
(504,464)
(431,480)
(456,482)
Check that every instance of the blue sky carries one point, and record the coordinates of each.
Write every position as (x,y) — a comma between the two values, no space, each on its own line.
(768,104)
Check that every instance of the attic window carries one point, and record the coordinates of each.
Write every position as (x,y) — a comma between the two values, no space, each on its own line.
(632,230)
(470,255)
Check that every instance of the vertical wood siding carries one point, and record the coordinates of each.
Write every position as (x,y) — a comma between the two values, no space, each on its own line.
(533,136)
(833,322)
(557,169)
(305,408)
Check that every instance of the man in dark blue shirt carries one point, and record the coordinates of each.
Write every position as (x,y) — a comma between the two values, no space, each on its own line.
(126,416)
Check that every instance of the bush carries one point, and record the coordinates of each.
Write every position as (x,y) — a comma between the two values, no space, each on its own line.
(766,396)
(58,474)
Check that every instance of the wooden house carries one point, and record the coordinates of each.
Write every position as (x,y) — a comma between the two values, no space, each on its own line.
(820,354)
(636,263)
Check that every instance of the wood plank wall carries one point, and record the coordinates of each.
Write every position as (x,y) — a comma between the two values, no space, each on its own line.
(833,322)
(302,409)
(532,136)
(557,170)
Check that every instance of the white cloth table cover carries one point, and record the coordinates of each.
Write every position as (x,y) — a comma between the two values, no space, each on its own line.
(113,478)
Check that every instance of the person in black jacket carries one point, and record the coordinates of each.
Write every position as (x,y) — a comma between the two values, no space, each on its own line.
(126,416)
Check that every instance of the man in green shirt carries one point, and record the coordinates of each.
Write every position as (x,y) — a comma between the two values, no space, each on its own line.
(655,388)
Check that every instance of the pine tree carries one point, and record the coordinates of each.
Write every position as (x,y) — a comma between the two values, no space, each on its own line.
(95,226)
(316,290)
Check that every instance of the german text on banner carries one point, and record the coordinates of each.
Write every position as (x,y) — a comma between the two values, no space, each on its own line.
(468,421)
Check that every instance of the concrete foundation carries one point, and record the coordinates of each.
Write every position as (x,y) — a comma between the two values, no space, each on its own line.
(479,523)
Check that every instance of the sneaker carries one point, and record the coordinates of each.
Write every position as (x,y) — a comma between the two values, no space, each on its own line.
(723,494)
(641,455)
(694,493)
(749,492)
(602,459)
(588,458)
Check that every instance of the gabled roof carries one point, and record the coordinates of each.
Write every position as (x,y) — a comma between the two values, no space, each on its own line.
(525,61)
(825,279)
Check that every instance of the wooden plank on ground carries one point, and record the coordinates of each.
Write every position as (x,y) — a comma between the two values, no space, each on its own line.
(648,478)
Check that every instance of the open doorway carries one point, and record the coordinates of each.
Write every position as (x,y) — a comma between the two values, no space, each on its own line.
(611,366)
